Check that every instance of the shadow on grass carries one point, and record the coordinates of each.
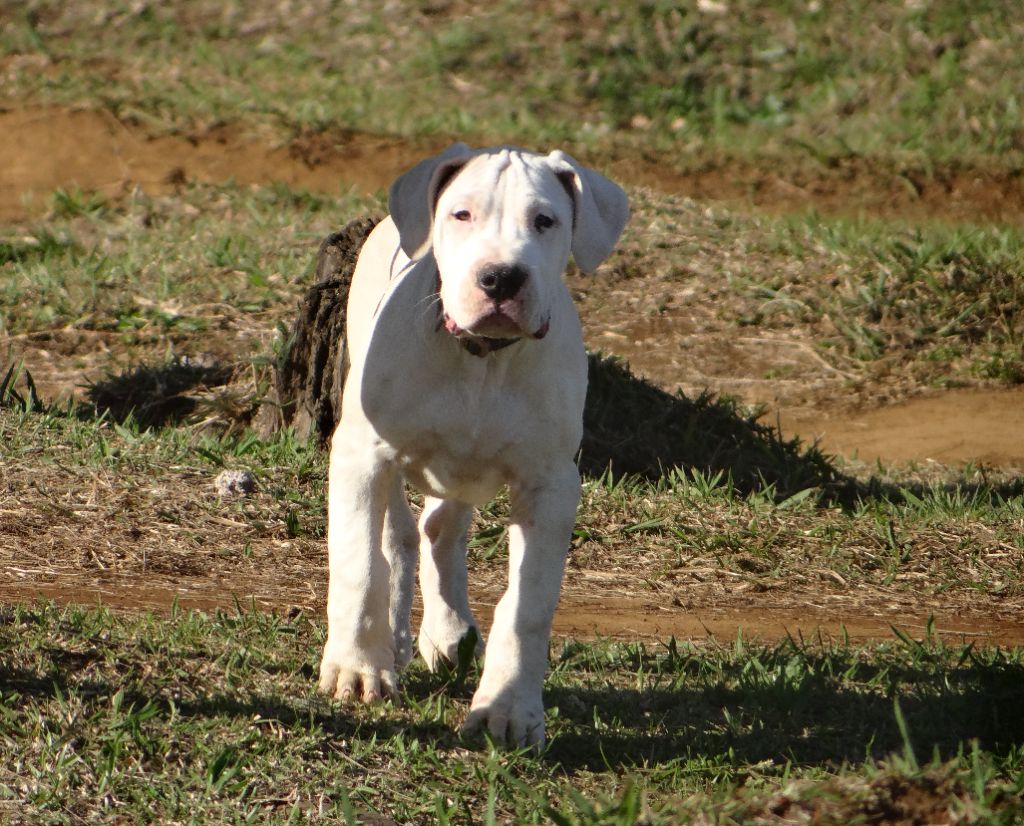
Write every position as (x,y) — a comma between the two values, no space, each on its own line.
(816,720)
(633,428)
(307,713)
(719,708)
(155,395)
(829,709)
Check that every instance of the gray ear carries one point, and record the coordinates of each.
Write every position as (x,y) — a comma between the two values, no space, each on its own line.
(413,196)
(602,210)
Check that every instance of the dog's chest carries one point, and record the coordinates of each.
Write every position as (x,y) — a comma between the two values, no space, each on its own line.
(438,474)
(466,445)
(465,437)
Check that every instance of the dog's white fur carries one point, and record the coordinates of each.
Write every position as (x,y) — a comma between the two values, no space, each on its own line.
(420,406)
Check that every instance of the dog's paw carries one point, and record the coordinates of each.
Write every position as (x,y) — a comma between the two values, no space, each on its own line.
(357,679)
(444,645)
(512,719)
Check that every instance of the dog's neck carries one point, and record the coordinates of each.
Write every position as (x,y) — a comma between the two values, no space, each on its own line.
(480,346)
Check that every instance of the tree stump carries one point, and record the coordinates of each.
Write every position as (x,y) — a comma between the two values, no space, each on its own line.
(310,375)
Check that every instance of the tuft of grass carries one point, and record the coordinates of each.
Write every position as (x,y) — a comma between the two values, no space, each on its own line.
(27,401)
(939,296)
(69,203)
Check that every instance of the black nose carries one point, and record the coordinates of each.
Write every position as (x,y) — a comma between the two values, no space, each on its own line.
(501,281)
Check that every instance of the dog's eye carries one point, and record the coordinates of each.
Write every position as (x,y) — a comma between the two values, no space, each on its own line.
(543,222)
(461,215)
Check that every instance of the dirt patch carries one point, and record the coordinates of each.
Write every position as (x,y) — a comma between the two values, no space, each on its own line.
(650,620)
(848,187)
(952,427)
(889,796)
(60,360)
(691,351)
(50,148)
(579,616)
(47,148)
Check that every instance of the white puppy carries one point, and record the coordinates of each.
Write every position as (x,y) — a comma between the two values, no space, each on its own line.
(467,373)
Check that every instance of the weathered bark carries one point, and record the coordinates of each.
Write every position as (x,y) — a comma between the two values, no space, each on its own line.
(309,378)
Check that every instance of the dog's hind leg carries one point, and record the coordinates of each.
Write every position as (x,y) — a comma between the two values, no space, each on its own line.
(446,613)
(401,541)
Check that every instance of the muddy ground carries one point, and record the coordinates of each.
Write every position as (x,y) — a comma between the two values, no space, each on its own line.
(50,148)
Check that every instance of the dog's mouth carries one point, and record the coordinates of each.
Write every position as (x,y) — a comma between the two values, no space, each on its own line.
(495,325)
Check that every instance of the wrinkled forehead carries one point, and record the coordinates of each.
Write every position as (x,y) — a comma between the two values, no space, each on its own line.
(495,176)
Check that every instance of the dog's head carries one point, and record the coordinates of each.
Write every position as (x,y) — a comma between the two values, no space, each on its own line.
(502,224)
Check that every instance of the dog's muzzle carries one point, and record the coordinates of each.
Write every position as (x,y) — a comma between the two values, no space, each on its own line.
(499,283)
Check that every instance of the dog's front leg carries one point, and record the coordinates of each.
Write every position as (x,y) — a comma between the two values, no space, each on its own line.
(508,702)
(359,656)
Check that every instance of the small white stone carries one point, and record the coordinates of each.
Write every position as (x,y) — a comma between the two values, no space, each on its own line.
(235,483)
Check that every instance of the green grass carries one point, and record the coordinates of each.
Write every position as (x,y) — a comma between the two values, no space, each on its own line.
(195,718)
(170,309)
(948,296)
(911,85)
(133,267)
(206,717)
(924,303)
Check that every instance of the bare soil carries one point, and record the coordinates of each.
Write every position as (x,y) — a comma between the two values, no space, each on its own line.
(953,427)
(47,148)
(583,613)
(50,148)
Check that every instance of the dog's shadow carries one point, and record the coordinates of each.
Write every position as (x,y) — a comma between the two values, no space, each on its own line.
(634,428)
